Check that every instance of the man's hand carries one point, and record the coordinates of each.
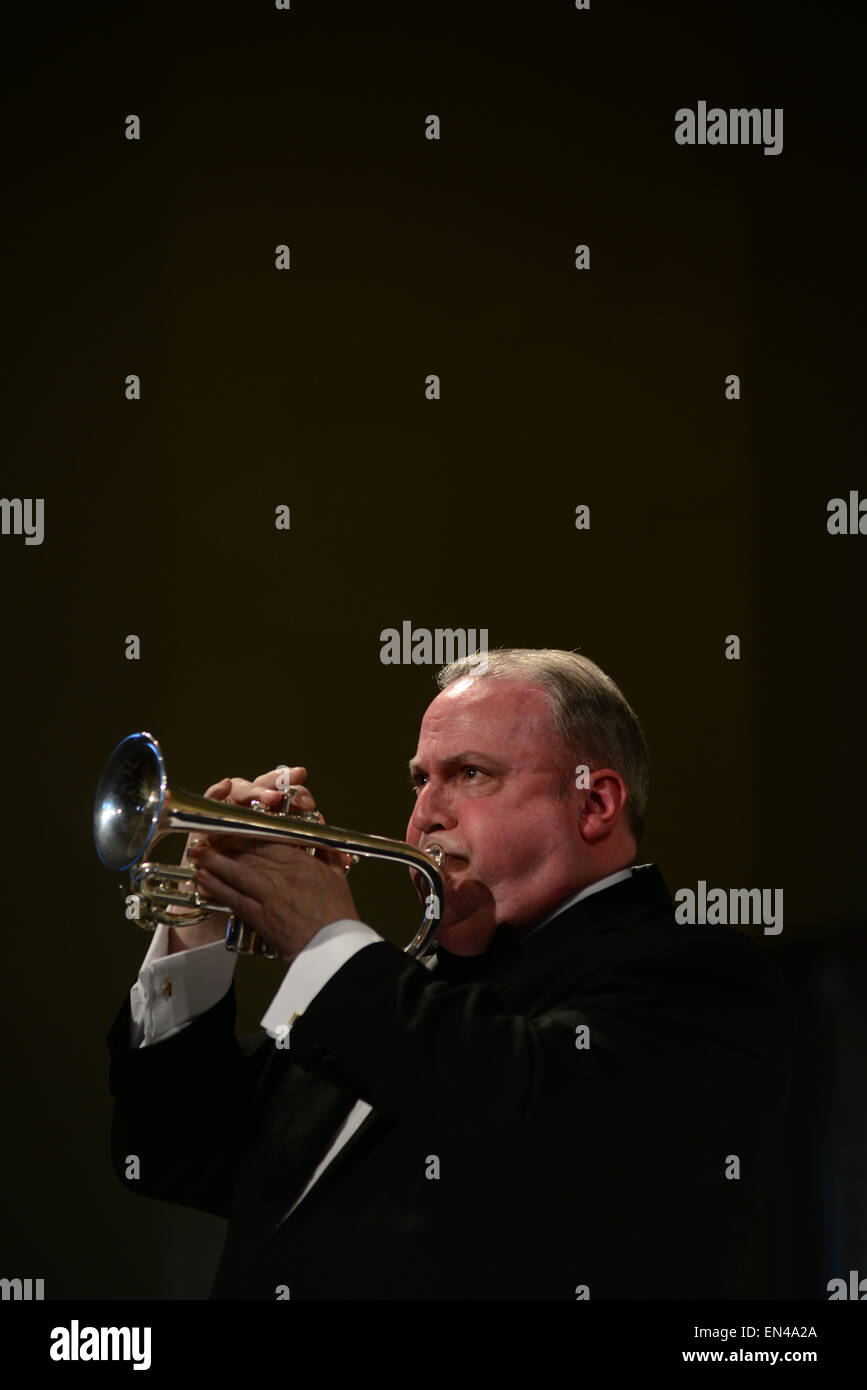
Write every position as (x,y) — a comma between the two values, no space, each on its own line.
(276,888)
(236,791)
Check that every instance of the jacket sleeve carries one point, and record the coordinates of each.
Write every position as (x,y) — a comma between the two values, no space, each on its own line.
(181,1106)
(642,1048)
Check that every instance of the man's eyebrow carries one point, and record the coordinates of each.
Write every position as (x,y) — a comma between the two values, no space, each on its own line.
(470,756)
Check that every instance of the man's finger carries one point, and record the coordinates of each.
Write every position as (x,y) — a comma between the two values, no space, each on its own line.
(280,777)
(220,790)
(219,887)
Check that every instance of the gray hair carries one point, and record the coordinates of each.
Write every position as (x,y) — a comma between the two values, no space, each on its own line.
(590,713)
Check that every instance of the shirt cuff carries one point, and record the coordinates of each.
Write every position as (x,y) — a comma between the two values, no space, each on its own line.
(172,990)
(312,968)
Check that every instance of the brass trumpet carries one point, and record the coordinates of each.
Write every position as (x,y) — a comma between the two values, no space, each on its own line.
(134,808)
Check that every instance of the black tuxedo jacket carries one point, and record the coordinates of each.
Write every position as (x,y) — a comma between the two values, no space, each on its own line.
(581,1113)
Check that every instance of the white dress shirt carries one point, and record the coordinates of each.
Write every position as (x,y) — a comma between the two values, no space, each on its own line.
(173,990)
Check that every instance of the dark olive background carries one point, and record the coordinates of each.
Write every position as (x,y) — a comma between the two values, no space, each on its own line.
(307,388)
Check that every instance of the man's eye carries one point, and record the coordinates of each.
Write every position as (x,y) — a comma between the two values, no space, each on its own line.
(417,782)
(476,770)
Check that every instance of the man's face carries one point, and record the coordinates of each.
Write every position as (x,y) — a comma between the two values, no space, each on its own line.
(487,773)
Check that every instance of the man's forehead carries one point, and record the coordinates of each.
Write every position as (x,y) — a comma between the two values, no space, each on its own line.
(479,710)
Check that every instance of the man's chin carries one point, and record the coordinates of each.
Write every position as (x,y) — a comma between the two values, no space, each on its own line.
(449,873)
(467,936)
(468,908)
(469,919)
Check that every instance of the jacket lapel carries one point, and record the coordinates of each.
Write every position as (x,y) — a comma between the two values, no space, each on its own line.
(296,1117)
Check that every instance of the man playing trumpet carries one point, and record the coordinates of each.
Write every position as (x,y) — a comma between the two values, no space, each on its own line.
(544,1107)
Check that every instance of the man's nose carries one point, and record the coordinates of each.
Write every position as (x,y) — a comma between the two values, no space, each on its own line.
(432,810)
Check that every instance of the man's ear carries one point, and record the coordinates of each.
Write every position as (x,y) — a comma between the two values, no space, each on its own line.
(604,804)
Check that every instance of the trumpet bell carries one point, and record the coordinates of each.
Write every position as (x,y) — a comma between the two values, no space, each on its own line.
(129,802)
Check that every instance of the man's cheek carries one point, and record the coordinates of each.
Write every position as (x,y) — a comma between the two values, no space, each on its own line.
(513,865)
